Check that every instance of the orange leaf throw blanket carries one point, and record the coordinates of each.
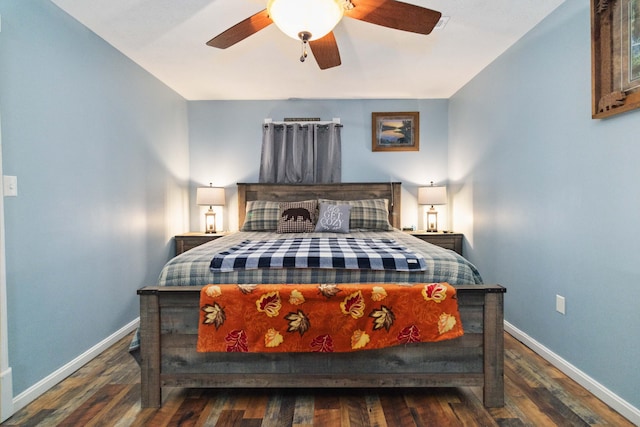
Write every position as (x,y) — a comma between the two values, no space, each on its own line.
(325,318)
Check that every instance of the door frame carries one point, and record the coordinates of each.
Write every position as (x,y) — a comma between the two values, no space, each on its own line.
(6,385)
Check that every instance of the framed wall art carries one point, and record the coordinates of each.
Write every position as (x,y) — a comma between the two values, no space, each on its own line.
(615,57)
(395,131)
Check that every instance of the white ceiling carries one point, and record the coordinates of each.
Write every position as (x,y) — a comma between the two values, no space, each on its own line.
(167,38)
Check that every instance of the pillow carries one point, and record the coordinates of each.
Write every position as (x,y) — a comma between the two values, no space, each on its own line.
(261,215)
(369,214)
(297,217)
(334,218)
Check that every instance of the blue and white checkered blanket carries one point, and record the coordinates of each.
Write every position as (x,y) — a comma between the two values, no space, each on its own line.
(319,252)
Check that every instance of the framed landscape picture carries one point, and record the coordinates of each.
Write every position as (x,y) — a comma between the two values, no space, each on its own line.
(395,131)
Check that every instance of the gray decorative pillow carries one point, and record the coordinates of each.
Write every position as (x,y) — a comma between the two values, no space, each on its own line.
(297,217)
(333,218)
(368,214)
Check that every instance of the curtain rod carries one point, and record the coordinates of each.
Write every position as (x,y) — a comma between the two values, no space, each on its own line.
(335,120)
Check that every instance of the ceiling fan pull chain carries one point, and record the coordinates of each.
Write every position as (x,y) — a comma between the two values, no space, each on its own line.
(304,36)
(304,51)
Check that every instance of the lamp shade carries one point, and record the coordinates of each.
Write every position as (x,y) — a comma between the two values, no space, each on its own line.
(210,196)
(432,195)
(317,17)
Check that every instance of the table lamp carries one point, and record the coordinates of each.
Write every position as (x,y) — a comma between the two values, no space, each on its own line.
(432,195)
(210,196)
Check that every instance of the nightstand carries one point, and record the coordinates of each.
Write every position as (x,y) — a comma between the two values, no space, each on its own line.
(187,241)
(451,241)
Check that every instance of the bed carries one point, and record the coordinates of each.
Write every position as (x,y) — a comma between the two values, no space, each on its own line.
(169,319)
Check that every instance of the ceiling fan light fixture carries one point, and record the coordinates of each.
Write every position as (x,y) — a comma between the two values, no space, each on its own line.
(317,17)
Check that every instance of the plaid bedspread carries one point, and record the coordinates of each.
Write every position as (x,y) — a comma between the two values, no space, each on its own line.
(194,266)
(319,252)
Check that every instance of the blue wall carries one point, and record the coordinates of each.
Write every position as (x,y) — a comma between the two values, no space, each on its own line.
(101,154)
(225,139)
(548,199)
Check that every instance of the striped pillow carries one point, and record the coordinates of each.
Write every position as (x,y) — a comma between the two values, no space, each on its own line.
(369,214)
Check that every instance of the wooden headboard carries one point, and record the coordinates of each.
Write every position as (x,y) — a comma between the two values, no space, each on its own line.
(341,191)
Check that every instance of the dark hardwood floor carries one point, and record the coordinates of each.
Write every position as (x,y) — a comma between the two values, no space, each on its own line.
(106,392)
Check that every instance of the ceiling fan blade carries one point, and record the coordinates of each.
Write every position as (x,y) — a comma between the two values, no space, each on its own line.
(395,14)
(241,30)
(326,52)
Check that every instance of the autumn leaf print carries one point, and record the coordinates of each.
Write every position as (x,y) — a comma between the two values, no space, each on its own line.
(359,339)
(214,315)
(237,341)
(328,291)
(213,291)
(382,318)
(298,322)
(269,304)
(446,322)
(378,293)
(322,344)
(436,292)
(409,334)
(247,289)
(273,338)
(353,305)
(296,297)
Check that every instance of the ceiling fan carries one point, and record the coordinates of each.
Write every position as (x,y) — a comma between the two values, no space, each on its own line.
(312,22)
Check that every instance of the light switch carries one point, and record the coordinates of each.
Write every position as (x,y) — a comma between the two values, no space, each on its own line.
(10,185)
(560,304)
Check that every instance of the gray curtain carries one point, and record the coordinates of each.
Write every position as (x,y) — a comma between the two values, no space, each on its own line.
(301,153)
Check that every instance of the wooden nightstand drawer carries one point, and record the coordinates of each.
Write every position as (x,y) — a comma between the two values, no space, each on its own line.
(451,241)
(187,241)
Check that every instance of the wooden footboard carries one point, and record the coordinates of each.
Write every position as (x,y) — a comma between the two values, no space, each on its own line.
(168,335)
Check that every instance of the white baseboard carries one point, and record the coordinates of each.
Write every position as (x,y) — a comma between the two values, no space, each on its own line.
(39,388)
(6,404)
(601,392)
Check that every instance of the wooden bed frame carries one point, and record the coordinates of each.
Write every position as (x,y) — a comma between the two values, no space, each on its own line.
(169,326)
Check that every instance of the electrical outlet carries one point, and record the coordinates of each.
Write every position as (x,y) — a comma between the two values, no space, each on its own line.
(560,304)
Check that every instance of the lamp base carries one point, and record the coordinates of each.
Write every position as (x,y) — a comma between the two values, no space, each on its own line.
(210,221)
(432,220)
